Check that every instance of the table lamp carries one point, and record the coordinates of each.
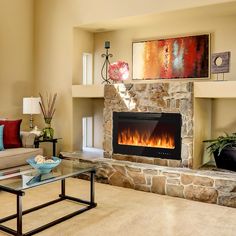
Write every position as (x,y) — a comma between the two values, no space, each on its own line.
(31,106)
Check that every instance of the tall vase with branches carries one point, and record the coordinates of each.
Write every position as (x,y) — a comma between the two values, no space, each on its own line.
(48,109)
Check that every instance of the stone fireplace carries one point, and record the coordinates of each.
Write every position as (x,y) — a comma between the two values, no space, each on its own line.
(154,172)
(160,111)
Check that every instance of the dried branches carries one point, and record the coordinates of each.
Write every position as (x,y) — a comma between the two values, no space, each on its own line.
(48,106)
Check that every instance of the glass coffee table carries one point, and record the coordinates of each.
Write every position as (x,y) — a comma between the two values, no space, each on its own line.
(16,181)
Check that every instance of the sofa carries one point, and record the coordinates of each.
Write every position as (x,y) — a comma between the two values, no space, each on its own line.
(12,157)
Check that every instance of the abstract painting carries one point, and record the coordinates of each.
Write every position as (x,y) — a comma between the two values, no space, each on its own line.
(183,57)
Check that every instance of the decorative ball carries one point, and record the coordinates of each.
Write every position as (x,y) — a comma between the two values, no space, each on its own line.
(118,71)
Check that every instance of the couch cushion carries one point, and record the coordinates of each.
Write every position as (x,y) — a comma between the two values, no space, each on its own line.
(11,133)
(1,137)
(17,156)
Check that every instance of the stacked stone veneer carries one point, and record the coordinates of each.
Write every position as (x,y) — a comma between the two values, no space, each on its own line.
(169,97)
(199,185)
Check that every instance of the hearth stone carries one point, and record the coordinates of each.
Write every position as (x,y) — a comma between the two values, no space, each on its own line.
(202,181)
(225,186)
(121,180)
(166,97)
(227,200)
(209,186)
(174,190)
(200,193)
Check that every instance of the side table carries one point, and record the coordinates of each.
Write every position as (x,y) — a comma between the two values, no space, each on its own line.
(53,141)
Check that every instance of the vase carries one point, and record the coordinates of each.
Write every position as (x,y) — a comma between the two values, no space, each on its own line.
(48,130)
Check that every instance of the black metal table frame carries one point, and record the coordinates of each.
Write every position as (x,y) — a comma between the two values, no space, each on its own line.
(90,204)
(53,141)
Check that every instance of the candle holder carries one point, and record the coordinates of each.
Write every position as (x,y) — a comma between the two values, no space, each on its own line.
(104,71)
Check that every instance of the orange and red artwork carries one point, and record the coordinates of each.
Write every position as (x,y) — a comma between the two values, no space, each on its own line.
(183,57)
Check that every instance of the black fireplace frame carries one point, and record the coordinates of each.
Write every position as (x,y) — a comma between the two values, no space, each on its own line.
(175,118)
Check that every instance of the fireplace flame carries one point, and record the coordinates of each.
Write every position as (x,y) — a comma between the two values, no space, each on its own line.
(134,138)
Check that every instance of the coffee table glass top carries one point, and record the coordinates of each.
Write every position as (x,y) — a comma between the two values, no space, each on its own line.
(26,177)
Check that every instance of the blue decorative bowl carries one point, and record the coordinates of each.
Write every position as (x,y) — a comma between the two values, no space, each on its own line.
(44,168)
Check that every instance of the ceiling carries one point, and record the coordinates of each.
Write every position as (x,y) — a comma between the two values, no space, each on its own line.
(217,10)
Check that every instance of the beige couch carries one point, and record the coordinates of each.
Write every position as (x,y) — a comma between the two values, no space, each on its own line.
(17,156)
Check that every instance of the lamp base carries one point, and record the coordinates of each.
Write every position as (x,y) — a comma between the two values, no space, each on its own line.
(31,122)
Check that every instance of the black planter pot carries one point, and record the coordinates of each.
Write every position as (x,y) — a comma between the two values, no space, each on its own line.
(226,159)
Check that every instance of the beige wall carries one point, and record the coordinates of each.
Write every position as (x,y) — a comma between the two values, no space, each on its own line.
(83,43)
(224,116)
(222,30)
(16,56)
(54,62)
(98,105)
(54,44)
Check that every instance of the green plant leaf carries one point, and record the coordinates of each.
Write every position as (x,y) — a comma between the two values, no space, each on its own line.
(220,143)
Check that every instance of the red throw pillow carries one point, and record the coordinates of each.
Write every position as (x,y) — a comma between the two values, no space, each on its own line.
(11,133)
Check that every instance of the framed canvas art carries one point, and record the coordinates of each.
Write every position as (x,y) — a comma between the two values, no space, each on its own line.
(182,57)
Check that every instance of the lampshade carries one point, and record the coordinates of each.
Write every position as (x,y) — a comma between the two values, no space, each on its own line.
(31,105)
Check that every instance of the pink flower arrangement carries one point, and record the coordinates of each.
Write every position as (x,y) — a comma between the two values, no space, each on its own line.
(118,71)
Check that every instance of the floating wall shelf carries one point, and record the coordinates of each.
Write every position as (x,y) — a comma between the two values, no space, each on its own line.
(88,91)
(202,89)
(215,89)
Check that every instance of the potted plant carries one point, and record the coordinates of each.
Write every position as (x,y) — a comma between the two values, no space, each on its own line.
(224,150)
(48,109)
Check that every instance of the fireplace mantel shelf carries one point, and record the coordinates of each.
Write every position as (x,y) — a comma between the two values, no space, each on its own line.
(202,89)
(88,91)
(215,89)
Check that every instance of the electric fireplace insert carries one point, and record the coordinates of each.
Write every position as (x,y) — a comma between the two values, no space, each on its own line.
(147,134)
